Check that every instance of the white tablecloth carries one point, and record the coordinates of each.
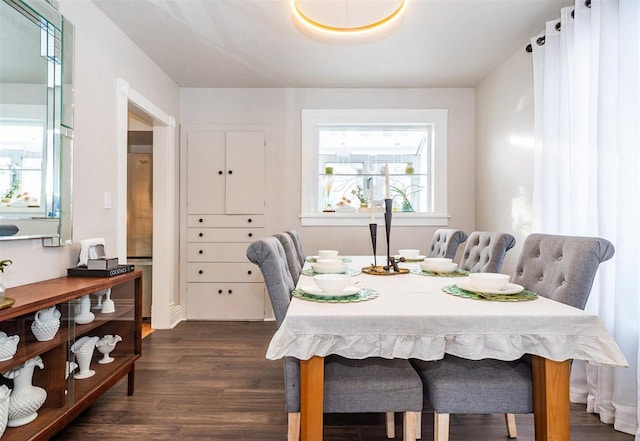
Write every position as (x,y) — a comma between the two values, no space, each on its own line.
(413,318)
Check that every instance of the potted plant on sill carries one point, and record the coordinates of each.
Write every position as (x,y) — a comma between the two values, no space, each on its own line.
(405,193)
(359,193)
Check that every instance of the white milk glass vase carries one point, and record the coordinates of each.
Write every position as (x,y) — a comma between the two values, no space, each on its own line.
(26,399)
(4,407)
(83,349)
(85,315)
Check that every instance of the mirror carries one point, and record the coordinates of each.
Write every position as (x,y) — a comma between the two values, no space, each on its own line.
(36,120)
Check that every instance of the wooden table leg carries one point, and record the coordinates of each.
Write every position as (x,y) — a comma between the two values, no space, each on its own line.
(551,399)
(311,398)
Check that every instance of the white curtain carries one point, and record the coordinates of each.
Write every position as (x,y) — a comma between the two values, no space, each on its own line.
(587,175)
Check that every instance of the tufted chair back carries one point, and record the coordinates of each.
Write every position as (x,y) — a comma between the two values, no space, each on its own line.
(485,251)
(269,255)
(561,268)
(292,256)
(445,243)
(297,243)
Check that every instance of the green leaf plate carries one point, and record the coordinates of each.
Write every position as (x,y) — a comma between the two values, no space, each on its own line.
(312,259)
(364,295)
(519,297)
(456,273)
(349,272)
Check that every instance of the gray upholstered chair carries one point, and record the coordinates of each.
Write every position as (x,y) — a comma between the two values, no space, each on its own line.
(297,242)
(485,251)
(295,268)
(445,243)
(350,386)
(561,268)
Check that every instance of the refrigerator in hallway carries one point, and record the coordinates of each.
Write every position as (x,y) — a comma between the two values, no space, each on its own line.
(140,210)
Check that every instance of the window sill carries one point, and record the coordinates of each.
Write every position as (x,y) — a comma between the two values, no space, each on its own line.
(360,219)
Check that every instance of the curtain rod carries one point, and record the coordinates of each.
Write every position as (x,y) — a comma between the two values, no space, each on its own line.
(540,40)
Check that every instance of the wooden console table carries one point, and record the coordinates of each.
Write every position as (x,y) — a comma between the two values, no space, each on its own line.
(67,398)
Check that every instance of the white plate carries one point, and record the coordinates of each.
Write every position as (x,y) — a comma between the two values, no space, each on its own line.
(510,288)
(315,291)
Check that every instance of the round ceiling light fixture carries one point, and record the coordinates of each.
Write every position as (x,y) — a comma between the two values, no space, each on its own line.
(350,17)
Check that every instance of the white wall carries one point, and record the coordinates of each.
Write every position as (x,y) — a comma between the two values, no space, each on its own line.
(279,111)
(103,53)
(504,152)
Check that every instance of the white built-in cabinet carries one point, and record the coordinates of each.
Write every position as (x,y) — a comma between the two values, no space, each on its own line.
(225,213)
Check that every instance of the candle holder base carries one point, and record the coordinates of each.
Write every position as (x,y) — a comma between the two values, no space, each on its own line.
(381,271)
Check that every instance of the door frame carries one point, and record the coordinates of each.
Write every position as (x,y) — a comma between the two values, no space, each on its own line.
(165,312)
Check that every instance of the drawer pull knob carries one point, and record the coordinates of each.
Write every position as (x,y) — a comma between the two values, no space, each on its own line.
(249,272)
(249,220)
(219,291)
(200,220)
(200,234)
(230,292)
(200,272)
(219,172)
(230,172)
(200,252)
(250,234)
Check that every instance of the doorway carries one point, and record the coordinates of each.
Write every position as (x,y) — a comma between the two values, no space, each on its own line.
(140,203)
(166,310)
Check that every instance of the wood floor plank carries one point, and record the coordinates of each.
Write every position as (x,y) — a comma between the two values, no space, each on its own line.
(211,381)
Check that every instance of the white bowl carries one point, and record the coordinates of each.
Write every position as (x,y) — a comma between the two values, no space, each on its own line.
(438,265)
(332,283)
(327,254)
(493,281)
(8,346)
(409,254)
(329,261)
(323,267)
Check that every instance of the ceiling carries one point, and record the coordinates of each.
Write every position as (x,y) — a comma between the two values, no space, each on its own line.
(257,43)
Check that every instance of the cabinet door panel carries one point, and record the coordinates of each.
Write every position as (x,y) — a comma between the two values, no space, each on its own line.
(206,301)
(223,272)
(206,172)
(245,172)
(217,252)
(225,234)
(245,301)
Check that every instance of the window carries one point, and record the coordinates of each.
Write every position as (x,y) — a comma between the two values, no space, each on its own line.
(345,155)
(21,174)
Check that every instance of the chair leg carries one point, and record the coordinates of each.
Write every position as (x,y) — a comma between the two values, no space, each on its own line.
(441,426)
(293,426)
(510,420)
(409,423)
(390,420)
(419,425)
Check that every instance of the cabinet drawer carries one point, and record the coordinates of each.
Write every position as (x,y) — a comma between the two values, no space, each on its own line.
(223,272)
(226,220)
(246,235)
(220,301)
(217,252)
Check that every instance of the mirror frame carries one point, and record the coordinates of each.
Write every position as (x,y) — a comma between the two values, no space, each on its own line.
(55,230)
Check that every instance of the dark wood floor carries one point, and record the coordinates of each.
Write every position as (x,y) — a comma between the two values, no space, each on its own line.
(211,381)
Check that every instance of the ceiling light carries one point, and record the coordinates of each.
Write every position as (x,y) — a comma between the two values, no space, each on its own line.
(350,17)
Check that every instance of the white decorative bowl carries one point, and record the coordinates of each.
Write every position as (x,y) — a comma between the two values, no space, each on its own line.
(489,281)
(329,267)
(409,253)
(438,265)
(332,283)
(8,346)
(327,254)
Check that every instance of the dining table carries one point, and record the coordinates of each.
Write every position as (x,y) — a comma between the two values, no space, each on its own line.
(410,316)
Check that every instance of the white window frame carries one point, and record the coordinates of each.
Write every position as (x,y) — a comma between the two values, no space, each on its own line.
(312,119)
